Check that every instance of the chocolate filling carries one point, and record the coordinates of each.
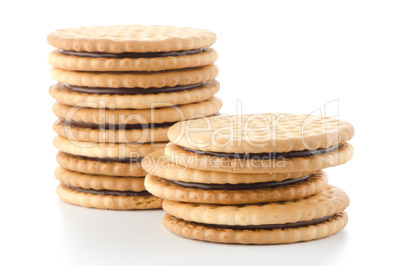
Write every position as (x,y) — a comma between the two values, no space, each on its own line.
(131,55)
(71,123)
(239,186)
(108,160)
(265,156)
(111,192)
(131,91)
(267,226)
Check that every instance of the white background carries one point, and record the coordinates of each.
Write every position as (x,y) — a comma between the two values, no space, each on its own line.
(275,56)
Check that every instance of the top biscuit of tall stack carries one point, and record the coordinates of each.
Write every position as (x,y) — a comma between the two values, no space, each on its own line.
(131,48)
(263,143)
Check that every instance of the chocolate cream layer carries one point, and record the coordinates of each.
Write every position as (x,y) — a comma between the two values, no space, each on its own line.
(132,55)
(111,192)
(241,186)
(267,226)
(131,91)
(265,156)
(72,123)
(108,160)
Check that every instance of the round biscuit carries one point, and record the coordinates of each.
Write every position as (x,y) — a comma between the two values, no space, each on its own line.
(168,78)
(107,201)
(158,164)
(275,236)
(261,133)
(88,166)
(137,101)
(86,181)
(281,165)
(137,116)
(164,189)
(80,63)
(106,150)
(131,38)
(329,201)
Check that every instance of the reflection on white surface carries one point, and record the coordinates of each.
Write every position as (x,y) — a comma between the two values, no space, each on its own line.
(139,236)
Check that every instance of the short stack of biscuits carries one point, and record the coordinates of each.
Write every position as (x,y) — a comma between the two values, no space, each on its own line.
(252,179)
(118,90)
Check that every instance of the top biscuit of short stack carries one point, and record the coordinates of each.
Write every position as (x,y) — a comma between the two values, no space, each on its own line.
(131,39)
(235,142)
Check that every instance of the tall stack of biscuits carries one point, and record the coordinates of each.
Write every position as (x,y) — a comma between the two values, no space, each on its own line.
(252,179)
(118,90)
